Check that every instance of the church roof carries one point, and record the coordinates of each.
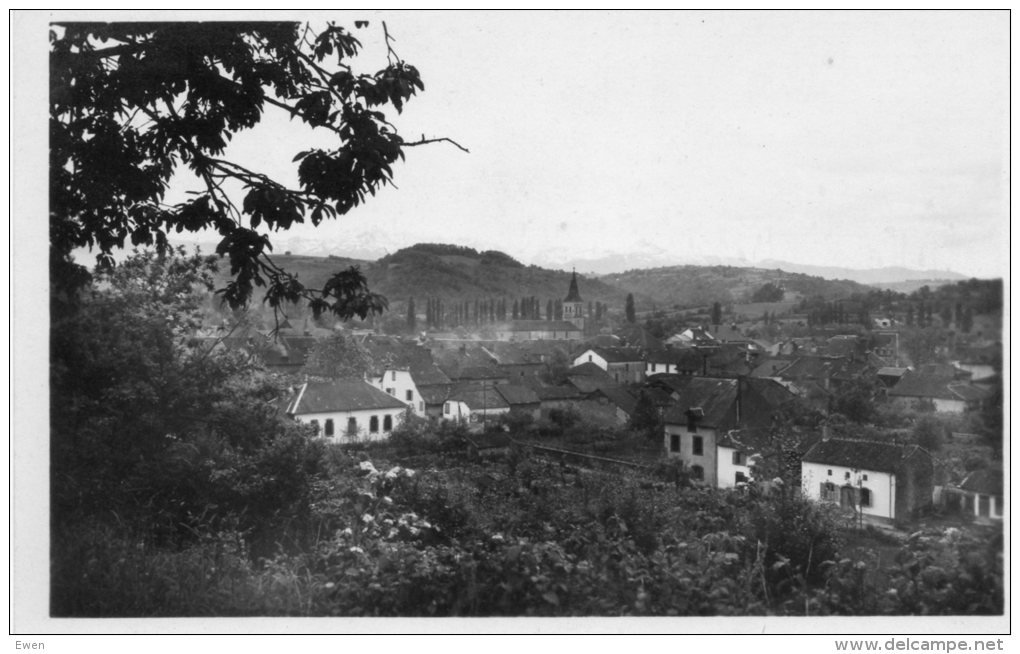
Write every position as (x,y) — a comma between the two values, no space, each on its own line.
(573,295)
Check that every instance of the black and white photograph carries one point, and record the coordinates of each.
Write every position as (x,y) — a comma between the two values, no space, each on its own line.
(587,321)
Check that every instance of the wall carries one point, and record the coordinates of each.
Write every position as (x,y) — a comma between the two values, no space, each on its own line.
(363,417)
(592,357)
(628,372)
(726,470)
(707,460)
(881,484)
(400,387)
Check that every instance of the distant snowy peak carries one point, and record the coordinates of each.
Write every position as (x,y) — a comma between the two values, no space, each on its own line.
(884,275)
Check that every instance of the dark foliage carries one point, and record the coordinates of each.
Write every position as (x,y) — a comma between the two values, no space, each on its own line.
(130,103)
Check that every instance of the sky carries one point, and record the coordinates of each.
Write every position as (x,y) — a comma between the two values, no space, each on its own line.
(856,139)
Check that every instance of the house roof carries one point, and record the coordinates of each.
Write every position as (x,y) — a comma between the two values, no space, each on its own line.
(683,358)
(550,393)
(770,367)
(591,383)
(916,384)
(435,393)
(890,371)
(391,354)
(478,395)
(588,369)
(340,395)
(515,394)
(618,354)
(825,367)
(637,336)
(715,397)
(620,397)
(467,363)
(862,454)
(987,481)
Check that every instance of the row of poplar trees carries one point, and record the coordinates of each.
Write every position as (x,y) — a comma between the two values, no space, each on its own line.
(468,313)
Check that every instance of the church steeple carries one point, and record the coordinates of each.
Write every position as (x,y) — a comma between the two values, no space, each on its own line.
(573,307)
(573,295)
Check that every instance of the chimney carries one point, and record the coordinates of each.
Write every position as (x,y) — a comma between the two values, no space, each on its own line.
(825,432)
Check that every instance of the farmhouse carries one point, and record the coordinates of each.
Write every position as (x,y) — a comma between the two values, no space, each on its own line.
(346,410)
(874,478)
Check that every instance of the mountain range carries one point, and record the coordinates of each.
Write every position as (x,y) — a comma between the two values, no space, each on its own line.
(370,246)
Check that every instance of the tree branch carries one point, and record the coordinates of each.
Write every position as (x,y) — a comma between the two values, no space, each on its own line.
(425,141)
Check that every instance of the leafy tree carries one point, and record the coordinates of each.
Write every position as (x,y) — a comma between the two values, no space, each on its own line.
(768,292)
(929,432)
(165,433)
(645,418)
(629,309)
(856,400)
(132,102)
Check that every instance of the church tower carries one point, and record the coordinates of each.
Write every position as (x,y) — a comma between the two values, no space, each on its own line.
(573,307)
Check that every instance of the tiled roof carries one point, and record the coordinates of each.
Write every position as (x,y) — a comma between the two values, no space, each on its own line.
(588,368)
(591,383)
(469,363)
(478,396)
(340,395)
(620,397)
(435,393)
(715,397)
(389,354)
(517,394)
(861,454)
(985,482)
(619,354)
(549,393)
(914,384)
(770,367)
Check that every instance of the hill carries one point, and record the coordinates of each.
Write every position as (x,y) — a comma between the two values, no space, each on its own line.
(688,286)
(449,272)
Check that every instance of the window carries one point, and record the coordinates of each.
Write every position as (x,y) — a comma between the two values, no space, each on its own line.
(865,497)
(421,407)
(446,408)
(315,423)
(698,473)
(674,442)
(830,473)
(352,426)
(387,423)
(846,475)
(391,391)
(373,425)
(329,426)
(740,478)
(589,358)
(653,367)
(698,446)
(739,459)
(410,396)
(865,478)
(828,492)
(691,425)
(393,376)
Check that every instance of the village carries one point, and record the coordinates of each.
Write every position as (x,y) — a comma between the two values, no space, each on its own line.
(713,397)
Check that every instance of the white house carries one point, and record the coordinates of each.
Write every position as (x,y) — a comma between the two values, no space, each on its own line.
(399,383)
(878,479)
(623,364)
(347,410)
